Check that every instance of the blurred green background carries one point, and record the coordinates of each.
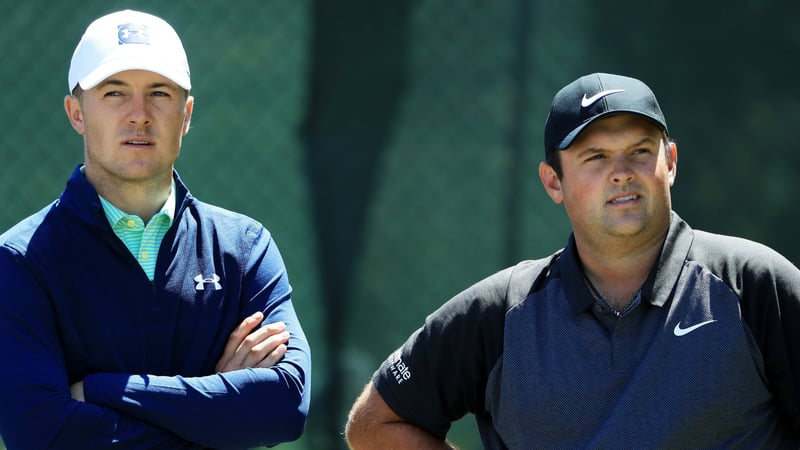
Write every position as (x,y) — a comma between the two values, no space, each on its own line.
(392,147)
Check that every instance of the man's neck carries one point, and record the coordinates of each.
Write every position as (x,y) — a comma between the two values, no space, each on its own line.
(618,273)
(140,199)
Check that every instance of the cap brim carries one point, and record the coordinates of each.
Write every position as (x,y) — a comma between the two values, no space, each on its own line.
(118,65)
(567,141)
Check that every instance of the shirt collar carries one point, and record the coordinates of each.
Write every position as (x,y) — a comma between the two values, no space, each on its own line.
(659,283)
(114,214)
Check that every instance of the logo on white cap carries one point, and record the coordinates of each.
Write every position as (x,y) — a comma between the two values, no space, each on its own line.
(132,33)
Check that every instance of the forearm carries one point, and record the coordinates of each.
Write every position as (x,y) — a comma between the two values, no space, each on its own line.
(46,414)
(49,421)
(373,424)
(244,408)
(394,435)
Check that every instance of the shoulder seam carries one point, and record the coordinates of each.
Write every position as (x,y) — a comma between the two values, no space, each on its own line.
(525,276)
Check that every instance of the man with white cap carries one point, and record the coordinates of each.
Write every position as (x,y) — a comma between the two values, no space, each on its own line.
(640,333)
(134,315)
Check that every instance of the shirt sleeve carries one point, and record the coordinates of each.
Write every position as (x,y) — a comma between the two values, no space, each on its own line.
(243,408)
(770,292)
(34,380)
(768,286)
(440,373)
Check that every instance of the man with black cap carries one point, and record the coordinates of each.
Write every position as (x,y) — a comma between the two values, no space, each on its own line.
(640,333)
(132,314)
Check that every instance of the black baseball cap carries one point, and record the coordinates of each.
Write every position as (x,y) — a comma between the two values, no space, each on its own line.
(593,97)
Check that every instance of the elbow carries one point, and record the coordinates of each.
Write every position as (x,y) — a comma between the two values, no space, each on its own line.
(290,423)
(271,417)
(287,426)
(357,436)
(294,426)
(350,435)
(293,420)
(355,428)
(264,432)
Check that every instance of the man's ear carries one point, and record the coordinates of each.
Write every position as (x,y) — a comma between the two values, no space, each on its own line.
(187,120)
(74,113)
(673,160)
(551,182)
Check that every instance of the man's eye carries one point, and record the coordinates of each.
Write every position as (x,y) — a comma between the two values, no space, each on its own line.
(595,157)
(113,94)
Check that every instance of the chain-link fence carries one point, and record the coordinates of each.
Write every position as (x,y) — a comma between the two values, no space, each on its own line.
(392,147)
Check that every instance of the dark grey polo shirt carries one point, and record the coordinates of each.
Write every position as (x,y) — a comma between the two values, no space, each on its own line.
(709,357)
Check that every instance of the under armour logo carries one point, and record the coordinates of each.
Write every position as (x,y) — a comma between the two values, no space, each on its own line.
(201,282)
(133,33)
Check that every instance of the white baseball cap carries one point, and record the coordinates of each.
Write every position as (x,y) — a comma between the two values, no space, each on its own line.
(128,40)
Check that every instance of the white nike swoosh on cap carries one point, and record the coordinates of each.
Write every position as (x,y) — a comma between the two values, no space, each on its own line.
(587,102)
(684,331)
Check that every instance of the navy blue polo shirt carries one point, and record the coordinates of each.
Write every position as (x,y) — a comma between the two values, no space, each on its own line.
(706,357)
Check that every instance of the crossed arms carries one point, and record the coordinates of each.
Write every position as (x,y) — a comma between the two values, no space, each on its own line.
(258,393)
(246,348)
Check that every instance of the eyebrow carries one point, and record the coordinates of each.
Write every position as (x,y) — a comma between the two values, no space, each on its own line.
(646,139)
(115,82)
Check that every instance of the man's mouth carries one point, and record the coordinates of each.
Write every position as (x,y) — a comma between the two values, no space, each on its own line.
(624,199)
(137,142)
